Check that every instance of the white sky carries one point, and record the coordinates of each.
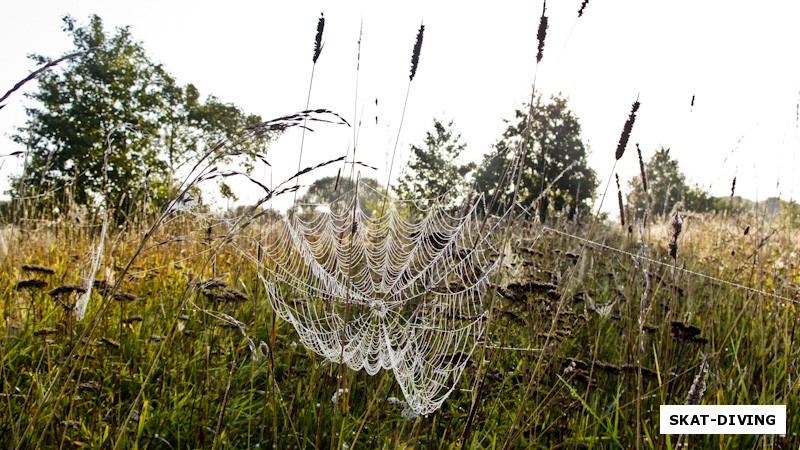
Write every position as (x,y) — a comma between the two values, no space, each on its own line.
(476,66)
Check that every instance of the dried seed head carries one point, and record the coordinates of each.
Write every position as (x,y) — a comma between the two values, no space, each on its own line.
(417,50)
(621,205)
(641,169)
(626,130)
(31,284)
(110,342)
(699,384)
(66,289)
(45,331)
(676,223)
(733,186)
(583,7)
(540,35)
(318,41)
(38,269)
(125,297)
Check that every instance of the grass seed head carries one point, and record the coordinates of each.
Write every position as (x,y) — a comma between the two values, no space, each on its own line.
(642,172)
(417,50)
(542,33)
(626,130)
(698,385)
(621,204)
(676,225)
(318,41)
(583,7)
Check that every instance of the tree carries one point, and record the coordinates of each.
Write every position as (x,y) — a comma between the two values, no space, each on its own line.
(433,169)
(338,195)
(666,186)
(113,126)
(555,168)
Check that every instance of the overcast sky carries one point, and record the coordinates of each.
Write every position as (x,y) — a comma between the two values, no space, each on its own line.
(477,64)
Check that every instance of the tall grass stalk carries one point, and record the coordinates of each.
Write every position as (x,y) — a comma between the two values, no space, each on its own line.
(318,45)
(415,54)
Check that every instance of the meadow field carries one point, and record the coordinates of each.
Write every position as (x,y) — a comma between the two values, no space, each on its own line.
(589,337)
(485,305)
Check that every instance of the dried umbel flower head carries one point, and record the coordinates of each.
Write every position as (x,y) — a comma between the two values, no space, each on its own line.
(540,35)
(318,41)
(38,269)
(31,284)
(66,289)
(626,130)
(417,50)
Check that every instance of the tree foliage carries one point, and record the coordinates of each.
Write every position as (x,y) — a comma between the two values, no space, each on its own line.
(434,170)
(337,193)
(666,186)
(113,125)
(555,168)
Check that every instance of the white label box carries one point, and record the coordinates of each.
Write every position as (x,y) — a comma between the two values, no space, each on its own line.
(723,419)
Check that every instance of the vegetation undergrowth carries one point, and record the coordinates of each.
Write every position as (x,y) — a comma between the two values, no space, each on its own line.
(209,387)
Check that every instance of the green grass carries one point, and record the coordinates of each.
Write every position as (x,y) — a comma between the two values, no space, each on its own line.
(200,386)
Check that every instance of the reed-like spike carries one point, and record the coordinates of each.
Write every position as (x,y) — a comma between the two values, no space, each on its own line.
(583,7)
(621,205)
(540,35)
(698,388)
(677,225)
(626,131)
(641,168)
(318,41)
(417,50)
(733,187)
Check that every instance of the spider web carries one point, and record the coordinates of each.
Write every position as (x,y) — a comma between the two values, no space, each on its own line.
(382,291)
